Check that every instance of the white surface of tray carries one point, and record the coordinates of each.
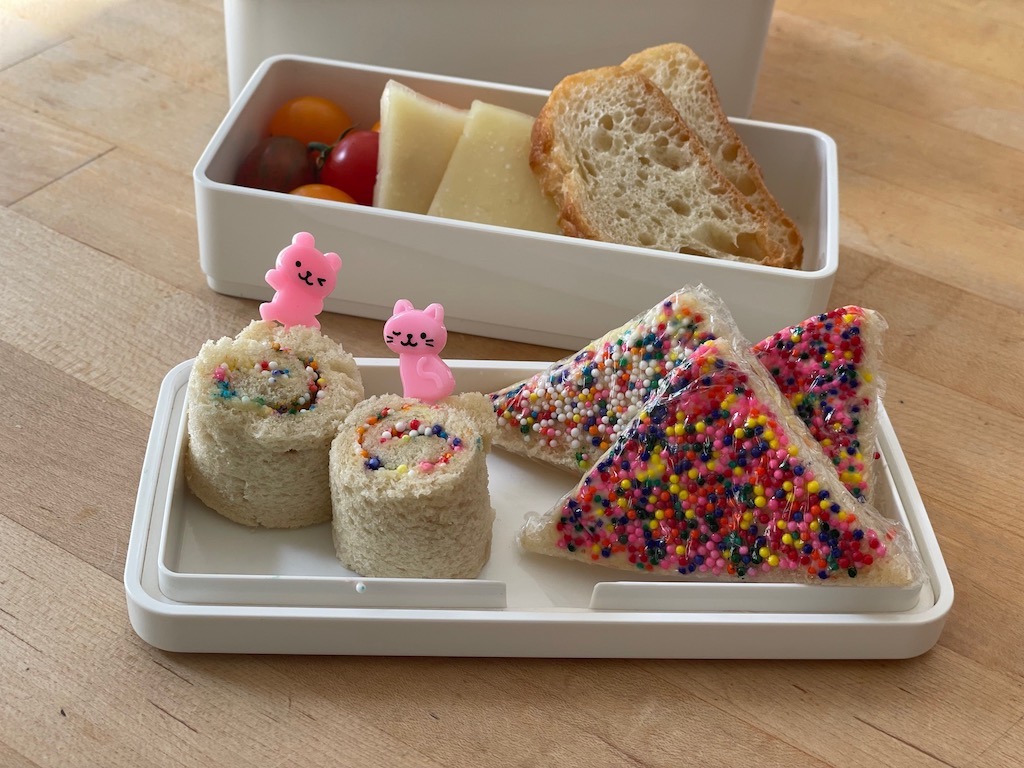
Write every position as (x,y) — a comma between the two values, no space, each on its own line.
(198,582)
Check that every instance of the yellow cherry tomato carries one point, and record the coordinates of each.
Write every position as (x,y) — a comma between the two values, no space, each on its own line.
(310,118)
(322,192)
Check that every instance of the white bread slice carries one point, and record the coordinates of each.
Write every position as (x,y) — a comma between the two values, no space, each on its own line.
(684,77)
(717,479)
(623,167)
(413,505)
(257,451)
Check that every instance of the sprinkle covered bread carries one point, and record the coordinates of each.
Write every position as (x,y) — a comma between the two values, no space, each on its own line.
(827,367)
(263,408)
(570,413)
(715,478)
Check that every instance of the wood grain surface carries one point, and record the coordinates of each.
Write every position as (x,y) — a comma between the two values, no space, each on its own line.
(105,105)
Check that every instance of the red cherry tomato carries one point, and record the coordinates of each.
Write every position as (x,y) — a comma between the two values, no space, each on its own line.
(351,165)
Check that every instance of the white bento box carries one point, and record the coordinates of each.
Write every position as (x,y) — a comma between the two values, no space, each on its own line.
(494,281)
(531,42)
(197,582)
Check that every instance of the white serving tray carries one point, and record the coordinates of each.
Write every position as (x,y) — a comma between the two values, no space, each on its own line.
(197,582)
(495,281)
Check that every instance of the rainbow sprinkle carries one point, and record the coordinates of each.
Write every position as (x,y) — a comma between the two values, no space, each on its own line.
(573,411)
(402,431)
(577,407)
(819,367)
(230,383)
(707,480)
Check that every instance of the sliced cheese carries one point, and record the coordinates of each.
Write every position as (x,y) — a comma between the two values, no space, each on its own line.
(417,137)
(488,179)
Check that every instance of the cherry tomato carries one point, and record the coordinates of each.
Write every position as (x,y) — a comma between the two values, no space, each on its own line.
(277,163)
(351,165)
(376,127)
(310,118)
(323,192)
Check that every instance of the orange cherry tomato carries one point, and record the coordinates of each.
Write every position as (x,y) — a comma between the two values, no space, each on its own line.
(322,192)
(310,118)
(376,127)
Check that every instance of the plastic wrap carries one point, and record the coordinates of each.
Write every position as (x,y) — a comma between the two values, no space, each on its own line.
(570,413)
(828,368)
(716,478)
(263,408)
(409,488)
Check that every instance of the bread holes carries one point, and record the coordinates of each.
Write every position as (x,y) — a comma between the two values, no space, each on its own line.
(719,212)
(606,121)
(646,239)
(730,151)
(712,233)
(602,141)
(746,185)
(681,207)
(666,155)
(641,124)
(586,169)
(747,245)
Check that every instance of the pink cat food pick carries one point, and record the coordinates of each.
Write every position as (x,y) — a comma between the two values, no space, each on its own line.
(418,336)
(303,278)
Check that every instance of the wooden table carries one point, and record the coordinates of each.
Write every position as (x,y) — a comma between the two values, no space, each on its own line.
(104,108)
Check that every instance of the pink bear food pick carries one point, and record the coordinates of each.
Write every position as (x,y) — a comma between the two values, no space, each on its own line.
(418,336)
(303,278)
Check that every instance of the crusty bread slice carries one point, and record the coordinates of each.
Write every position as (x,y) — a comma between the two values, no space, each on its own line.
(715,478)
(613,153)
(684,77)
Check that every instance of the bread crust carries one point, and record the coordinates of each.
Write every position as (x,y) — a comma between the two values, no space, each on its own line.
(674,66)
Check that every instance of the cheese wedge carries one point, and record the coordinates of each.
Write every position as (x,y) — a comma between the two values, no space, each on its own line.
(417,137)
(488,179)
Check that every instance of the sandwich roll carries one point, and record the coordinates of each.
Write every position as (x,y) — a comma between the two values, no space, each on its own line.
(263,408)
(409,488)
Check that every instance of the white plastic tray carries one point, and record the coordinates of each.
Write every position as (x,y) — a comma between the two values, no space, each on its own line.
(197,582)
